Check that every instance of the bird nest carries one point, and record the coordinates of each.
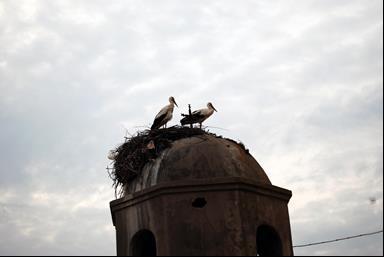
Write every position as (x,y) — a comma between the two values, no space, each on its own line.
(131,156)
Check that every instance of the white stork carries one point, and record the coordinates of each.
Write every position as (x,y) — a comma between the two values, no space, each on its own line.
(199,116)
(164,115)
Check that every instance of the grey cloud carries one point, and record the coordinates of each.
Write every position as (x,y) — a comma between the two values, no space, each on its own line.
(45,231)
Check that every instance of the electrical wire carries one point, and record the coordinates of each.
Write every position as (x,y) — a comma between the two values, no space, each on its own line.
(339,239)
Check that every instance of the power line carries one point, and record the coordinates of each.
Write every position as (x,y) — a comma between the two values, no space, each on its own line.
(340,239)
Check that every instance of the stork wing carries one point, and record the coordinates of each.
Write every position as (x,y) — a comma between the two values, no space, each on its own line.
(163,111)
(159,118)
(195,117)
(158,121)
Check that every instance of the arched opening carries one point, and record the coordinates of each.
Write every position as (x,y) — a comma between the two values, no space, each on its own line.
(143,243)
(268,242)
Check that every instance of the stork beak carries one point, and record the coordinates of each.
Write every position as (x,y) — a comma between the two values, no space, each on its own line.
(214,108)
(174,101)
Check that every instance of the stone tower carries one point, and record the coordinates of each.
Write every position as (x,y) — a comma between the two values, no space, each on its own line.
(203,196)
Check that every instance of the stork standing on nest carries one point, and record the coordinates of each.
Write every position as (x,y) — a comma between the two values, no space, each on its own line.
(198,116)
(164,115)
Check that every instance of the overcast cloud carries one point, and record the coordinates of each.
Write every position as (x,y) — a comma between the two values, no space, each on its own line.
(299,82)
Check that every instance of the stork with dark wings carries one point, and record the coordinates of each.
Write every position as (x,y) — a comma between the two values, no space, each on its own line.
(198,116)
(164,115)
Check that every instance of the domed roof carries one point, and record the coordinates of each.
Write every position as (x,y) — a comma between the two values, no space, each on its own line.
(199,157)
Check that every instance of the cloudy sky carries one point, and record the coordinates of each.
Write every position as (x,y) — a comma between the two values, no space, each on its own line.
(299,82)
